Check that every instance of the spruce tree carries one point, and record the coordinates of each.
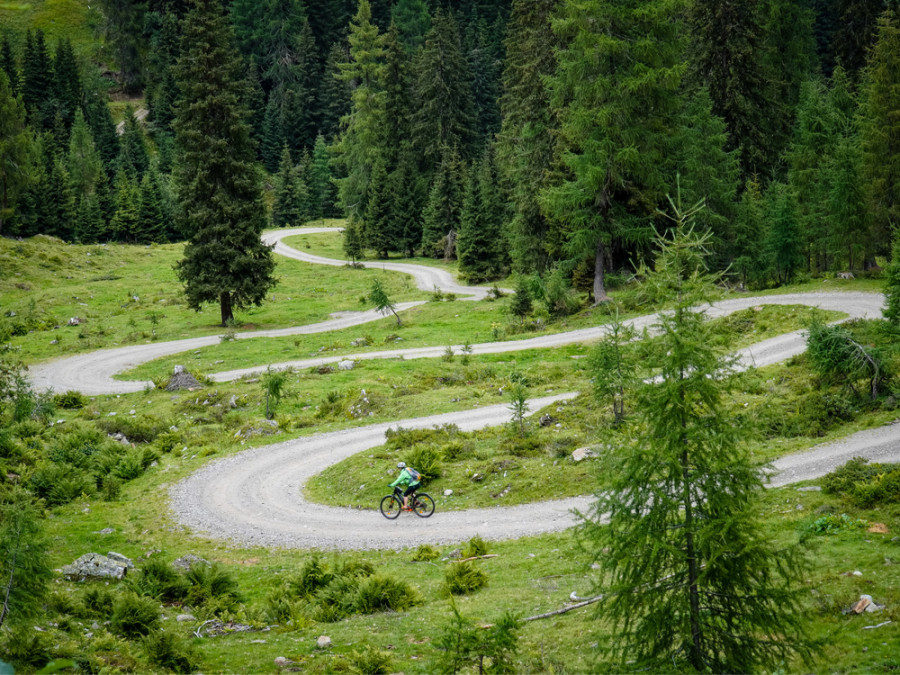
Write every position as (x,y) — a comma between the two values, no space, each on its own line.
(480,246)
(360,142)
(37,81)
(16,151)
(749,230)
(709,587)
(124,226)
(413,21)
(353,241)
(395,81)
(67,89)
(444,114)
(8,64)
(783,243)
(616,112)
(273,139)
(133,155)
(99,118)
(83,160)
(525,151)
(410,192)
(151,224)
(442,213)
(334,94)
(59,205)
(320,186)
(287,211)
(856,32)
(219,191)
(847,208)
(729,54)
(378,226)
(880,127)
(892,287)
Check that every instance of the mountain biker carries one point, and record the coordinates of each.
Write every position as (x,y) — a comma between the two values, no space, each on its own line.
(410,478)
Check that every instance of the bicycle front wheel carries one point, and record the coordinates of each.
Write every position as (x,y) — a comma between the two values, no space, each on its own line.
(424,505)
(390,507)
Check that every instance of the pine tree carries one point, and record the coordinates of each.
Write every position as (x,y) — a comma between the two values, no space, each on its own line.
(353,240)
(880,127)
(16,151)
(124,226)
(359,144)
(67,89)
(480,244)
(59,209)
(255,102)
(525,151)
(83,160)
(151,223)
(334,94)
(856,32)
(413,21)
(616,111)
(444,114)
(729,54)
(847,204)
(395,81)
(287,210)
(410,193)
(484,66)
(124,23)
(133,155)
(37,81)
(783,238)
(99,118)
(219,193)
(709,587)
(748,232)
(378,230)
(8,64)
(444,208)
(273,139)
(161,90)
(320,186)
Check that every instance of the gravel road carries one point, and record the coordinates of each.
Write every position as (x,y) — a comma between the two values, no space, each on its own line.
(254,498)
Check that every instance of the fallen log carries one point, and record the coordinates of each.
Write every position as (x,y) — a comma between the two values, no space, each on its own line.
(585,603)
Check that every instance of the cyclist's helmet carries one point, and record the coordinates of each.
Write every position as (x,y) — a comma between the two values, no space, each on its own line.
(401,465)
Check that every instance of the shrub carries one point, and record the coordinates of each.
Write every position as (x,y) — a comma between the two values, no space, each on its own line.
(59,483)
(157,579)
(208,582)
(832,524)
(381,593)
(27,649)
(464,644)
(137,429)
(371,661)
(474,547)
(462,578)
(426,459)
(519,446)
(168,441)
(313,576)
(133,616)
(170,651)
(130,465)
(71,400)
(98,601)
(111,488)
(857,470)
(425,553)
(865,485)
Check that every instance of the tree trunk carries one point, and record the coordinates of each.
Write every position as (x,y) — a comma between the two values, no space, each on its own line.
(599,287)
(225,307)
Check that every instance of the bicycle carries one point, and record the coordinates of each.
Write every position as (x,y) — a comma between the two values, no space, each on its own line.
(420,503)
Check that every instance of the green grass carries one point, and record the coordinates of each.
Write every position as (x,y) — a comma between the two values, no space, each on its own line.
(77,20)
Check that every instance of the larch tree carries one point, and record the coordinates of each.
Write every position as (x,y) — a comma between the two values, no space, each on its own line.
(25,574)
(219,191)
(525,150)
(708,591)
(616,92)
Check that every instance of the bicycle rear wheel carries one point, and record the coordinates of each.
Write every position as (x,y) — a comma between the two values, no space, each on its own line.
(424,505)
(390,507)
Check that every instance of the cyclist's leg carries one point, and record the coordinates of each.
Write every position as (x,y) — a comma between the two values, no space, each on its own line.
(407,493)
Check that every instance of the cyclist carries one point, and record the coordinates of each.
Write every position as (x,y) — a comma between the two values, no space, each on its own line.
(410,478)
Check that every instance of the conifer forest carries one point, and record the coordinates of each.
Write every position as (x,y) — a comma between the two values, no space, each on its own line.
(609,288)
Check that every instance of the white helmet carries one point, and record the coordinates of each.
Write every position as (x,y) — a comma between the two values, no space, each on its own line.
(401,465)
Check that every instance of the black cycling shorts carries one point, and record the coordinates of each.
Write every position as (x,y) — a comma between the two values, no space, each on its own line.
(410,489)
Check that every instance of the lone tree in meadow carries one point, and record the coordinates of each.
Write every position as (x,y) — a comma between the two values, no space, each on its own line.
(219,190)
(382,302)
(693,583)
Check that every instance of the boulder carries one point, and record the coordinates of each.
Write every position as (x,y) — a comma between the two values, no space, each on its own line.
(182,379)
(583,453)
(347,364)
(97,566)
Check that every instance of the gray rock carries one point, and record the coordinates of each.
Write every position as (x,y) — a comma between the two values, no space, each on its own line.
(74,321)
(105,530)
(347,364)
(182,618)
(583,453)
(232,403)
(448,492)
(809,488)
(281,662)
(185,562)
(324,642)
(178,370)
(182,380)
(118,557)
(96,566)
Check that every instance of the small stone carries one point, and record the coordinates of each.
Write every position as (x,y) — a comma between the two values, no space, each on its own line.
(324,642)
(232,403)
(257,642)
(582,453)
(448,492)
(183,618)
(185,562)
(54,342)
(281,662)
(809,488)
(346,365)
(105,530)
(799,507)
(178,370)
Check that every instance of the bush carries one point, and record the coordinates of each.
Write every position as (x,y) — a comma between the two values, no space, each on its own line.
(425,553)
(157,579)
(209,582)
(27,649)
(60,483)
(170,651)
(381,593)
(313,576)
(136,428)
(865,485)
(462,578)
(371,661)
(134,616)
(98,602)
(426,459)
(130,465)
(71,400)
(832,524)
(474,547)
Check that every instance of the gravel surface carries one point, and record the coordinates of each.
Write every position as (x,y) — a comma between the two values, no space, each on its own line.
(255,498)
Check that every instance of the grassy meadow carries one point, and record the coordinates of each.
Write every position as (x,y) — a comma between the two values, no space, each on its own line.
(116,289)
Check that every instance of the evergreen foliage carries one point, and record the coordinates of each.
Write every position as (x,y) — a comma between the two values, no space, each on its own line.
(133,155)
(892,287)
(442,214)
(378,228)
(151,224)
(24,573)
(748,232)
(783,238)
(218,187)
(480,246)
(288,209)
(353,240)
(83,160)
(8,64)
(37,81)
(125,223)
(379,297)
(413,21)
(709,587)
(409,196)
(16,151)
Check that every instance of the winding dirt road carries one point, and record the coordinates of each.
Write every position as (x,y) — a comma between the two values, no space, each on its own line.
(253,498)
